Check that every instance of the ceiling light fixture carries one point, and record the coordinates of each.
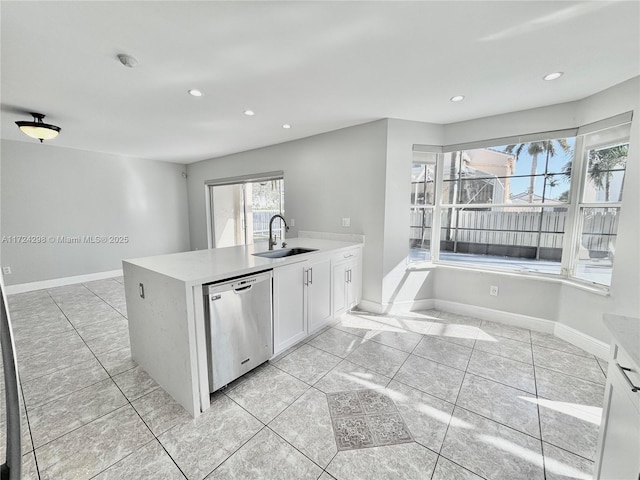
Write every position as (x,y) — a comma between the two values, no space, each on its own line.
(38,129)
(249,113)
(286,126)
(194,92)
(553,76)
(457,98)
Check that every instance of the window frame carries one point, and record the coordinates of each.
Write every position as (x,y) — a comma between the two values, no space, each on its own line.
(434,247)
(238,180)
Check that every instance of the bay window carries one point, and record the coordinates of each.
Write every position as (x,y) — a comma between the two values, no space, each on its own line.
(547,204)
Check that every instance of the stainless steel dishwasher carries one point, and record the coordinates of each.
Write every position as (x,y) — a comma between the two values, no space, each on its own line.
(239,326)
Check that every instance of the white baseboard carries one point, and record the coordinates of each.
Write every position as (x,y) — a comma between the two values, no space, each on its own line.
(60,282)
(508,318)
(592,345)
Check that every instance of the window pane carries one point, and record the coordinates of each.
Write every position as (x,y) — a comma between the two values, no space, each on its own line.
(517,238)
(228,215)
(267,200)
(241,212)
(594,261)
(423,177)
(528,173)
(605,174)
(420,234)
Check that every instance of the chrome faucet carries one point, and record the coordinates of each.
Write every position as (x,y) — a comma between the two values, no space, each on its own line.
(272,240)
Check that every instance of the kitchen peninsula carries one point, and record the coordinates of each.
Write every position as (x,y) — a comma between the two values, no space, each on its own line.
(165,303)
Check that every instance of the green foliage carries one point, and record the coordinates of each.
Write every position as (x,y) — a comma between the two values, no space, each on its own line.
(547,147)
(603,162)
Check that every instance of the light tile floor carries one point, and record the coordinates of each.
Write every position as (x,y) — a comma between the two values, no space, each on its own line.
(480,400)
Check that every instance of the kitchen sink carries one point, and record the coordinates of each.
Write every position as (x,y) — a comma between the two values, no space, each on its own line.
(284,252)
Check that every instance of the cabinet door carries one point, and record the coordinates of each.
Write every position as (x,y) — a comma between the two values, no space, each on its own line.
(354,283)
(289,319)
(620,438)
(340,300)
(319,294)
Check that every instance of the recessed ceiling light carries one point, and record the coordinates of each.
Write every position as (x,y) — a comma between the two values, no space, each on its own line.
(553,76)
(249,113)
(194,92)
(457,98)
(286,125)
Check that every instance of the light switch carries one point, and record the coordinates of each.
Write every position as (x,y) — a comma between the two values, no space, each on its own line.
(346,222)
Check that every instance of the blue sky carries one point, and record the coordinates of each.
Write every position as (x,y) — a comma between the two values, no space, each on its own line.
(523,167)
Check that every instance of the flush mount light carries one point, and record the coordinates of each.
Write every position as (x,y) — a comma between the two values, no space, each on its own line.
(553,76)
(194,92)
(38,129)
(286,125)
(457,98)
(249,113)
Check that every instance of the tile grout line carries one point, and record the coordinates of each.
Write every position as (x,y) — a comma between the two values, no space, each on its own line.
(535,380)
(455,402)
(33,446)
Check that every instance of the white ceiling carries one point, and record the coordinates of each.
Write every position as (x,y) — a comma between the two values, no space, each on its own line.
(319,66)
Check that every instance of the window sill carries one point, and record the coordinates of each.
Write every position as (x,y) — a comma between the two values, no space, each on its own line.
(418,266)
(601,290)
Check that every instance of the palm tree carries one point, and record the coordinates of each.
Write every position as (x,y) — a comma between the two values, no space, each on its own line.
(602,164)
(534,149)
(564,196)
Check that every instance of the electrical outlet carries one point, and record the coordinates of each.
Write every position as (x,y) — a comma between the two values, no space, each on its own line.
(346,222)
(6,270)
(493,290)
(292,222)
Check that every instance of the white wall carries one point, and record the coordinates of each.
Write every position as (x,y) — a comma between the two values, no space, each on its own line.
(326,177)
(398,284)
(52,191)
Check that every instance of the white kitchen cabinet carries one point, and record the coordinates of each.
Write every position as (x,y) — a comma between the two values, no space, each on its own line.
(289,305)
(619,442)
(347,281)
(301,301)
(318,293)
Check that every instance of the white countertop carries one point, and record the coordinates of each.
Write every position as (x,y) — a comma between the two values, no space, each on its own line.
(626,333)
(204,266)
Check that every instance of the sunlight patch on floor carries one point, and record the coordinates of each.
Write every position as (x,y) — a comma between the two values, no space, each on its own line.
(583,412)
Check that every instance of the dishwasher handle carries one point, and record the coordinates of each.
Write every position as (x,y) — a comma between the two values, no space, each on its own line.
(246,288)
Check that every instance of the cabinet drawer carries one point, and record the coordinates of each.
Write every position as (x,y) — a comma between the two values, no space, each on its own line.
(346,256)
(629,374)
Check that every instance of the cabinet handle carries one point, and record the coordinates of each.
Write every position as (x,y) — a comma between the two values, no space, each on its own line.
(348,256)
(349,276)
(306,277)
(623,371)
(310,276)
